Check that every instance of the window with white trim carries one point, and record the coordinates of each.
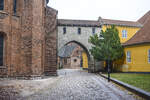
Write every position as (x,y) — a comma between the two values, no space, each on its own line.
(128,56)
(124,33)
(149,55)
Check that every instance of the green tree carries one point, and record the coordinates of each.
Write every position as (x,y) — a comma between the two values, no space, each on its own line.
(107,46)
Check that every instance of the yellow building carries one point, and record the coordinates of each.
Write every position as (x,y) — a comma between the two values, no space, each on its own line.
(137,50)
(127,29)
(135,37)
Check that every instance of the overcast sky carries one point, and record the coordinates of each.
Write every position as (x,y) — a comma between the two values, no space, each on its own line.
(130,10)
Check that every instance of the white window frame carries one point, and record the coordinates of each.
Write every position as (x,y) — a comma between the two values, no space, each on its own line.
(124,34)
(149,56)
(128,56)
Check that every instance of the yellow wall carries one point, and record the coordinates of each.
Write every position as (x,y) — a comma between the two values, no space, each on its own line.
(130,31)
(139,59)
(85,60)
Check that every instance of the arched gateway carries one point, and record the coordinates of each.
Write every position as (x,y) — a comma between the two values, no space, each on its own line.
(78,31)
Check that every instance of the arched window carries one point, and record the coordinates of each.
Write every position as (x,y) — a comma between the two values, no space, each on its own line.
(1,4)
(1,49)
(15,6)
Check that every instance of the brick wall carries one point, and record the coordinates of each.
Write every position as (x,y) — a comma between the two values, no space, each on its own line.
(30,39)
(50,41)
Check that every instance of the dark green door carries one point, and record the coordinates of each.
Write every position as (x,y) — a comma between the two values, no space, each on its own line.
(1,49)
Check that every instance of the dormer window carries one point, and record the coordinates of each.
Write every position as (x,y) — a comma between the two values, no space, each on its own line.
(15,6)
(1,4)
(124,33)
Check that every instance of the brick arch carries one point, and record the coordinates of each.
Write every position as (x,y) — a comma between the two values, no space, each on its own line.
(80,44)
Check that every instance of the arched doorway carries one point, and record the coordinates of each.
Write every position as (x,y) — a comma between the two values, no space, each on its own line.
(73,55)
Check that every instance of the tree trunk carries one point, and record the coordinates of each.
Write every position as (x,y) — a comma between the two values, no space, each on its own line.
(110,65)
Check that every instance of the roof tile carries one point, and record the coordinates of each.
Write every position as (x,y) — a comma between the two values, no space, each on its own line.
(86,23)
(142,36)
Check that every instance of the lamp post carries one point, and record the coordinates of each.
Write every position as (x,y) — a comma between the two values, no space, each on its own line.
(108,71)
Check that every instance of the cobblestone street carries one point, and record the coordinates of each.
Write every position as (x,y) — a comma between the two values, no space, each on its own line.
(81,85)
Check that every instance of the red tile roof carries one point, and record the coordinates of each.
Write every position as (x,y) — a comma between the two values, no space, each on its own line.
(144,19)
(142,36)
(119,22)
(86,23)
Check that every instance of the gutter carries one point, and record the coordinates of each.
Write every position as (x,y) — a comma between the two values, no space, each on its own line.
(139,92)
(134,44)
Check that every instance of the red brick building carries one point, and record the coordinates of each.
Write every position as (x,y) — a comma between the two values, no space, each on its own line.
(28,43)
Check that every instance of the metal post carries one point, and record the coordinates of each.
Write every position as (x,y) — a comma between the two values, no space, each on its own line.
(108,72)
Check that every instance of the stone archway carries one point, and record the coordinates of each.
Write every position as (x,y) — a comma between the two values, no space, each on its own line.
(73,55)
(80,44)
(85,56)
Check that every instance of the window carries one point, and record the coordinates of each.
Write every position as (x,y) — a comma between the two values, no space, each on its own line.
(149,55)
(93,30)
(1,4)
(15,6)
(101,36)
(124,33)
(128,56)
(64,30)
(75,60)
(47,1)
(65,60)
(79,30)
(1,49)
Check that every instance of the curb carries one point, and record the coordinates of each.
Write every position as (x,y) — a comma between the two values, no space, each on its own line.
(133,89)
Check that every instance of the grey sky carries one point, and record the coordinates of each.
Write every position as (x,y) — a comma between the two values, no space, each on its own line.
(92,9)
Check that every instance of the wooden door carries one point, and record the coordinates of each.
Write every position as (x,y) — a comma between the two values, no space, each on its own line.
(85,60)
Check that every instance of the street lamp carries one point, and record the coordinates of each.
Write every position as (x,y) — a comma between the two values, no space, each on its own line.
(108,70)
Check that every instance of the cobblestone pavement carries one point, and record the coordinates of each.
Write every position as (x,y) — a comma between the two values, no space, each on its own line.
(75,84)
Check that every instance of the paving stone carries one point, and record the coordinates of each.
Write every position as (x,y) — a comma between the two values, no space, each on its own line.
(75,84)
